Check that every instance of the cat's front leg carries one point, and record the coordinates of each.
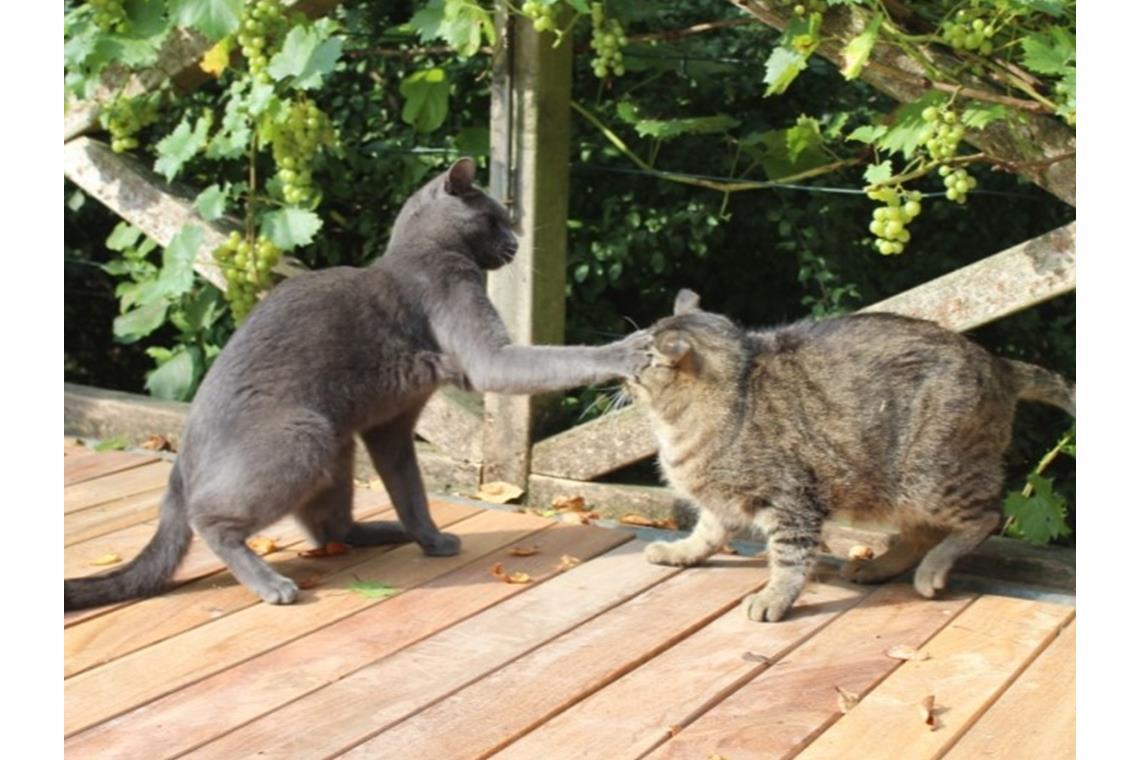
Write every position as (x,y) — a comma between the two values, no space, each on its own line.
(792,546)
(707,537)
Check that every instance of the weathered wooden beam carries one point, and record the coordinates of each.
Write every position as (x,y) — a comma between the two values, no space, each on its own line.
(1034,142)
(453,421)
(530,143)
(100,413)
(995,287)
(594,448)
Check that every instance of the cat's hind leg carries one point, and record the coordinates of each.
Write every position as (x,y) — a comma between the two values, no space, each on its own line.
(913,544)
(930,577)
(707,538)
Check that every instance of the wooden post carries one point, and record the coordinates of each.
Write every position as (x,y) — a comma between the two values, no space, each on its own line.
(530,143)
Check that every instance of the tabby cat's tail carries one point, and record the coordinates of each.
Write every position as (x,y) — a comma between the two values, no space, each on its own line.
(148,573)
(1037,384)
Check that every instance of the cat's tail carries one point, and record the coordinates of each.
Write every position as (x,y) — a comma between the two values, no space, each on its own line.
(148,573)
(1038,384)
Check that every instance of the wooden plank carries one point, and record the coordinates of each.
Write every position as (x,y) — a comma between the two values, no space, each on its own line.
(597,447)
(365,702)
(88,465)
(182,721)
(127,483)
(530,173)
(103,692)
(997,286)
(473,721)
(1036,717)
(111,516)
(775,714)
(149,621)
(972,661)
(634,714)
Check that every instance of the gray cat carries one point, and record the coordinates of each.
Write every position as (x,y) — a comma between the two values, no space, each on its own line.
(876,415)
(341,351)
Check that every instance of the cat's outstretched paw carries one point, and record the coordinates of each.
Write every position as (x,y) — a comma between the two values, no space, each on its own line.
(441,545)
(631,353)
(668,553)
(768,605)
(281,590)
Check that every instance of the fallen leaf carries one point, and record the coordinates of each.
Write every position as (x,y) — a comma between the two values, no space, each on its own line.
(498,492)
(638,520)
(261,545)
(522,551)
(569,504)
(846,700)
(498,571)
(580,518)
(568,561)
(753,657)
(157,443)
(905,652)
(674,730)
(372,589)
(107,559)
(541,512)
(926,708)
(860,552)
(311,581)
(117,443)
(331,549)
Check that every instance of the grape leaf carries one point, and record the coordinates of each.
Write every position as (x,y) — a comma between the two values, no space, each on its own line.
(867,133)
(306,55)
(426,93)
(670,128)
(977,115)
(177,276)
(213,18)
(181,145)
(907,126)
(858,50)
(211,203)
(803,136)
(217,59)
(781,69)
(288,228)
(1039,518)
(140,322)
(123,236)
(176,378)
(878,173)
(460,23)
(1049,52)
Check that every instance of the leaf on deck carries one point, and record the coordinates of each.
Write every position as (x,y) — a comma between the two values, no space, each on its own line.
(107,559)
(261,545)
(860,552)
(498,572)
(498,492)
(648,522)
(331,549)
(845,700)
(926,709)
(523,551)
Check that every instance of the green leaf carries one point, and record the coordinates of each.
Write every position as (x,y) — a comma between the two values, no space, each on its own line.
(462,24)
(176,378)
(904,132)
(1049,52)
(699,125)
(117,443)
(213,18)
(878,173)
(978,115)
(426,93)
(177,275)
(856,52)
(1039,518)
(867,133)
(307,55)
(288,228)
(141,322)
(204,309)
(211,203)
(372,589)
(781,69)
(181,145)
(473,141)
(803,136)
(123,236)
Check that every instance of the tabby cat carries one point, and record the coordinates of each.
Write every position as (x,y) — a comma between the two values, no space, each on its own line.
(874,415)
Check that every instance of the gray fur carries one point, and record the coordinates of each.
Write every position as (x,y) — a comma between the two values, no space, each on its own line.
(339,352)
(874,415)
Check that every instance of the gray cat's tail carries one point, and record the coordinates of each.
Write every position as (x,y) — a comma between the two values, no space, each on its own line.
(1038,384)
(148,573)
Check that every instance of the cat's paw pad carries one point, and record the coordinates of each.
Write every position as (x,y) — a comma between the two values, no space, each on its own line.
(441,545)
(767,605)
(664,553)
(279,591)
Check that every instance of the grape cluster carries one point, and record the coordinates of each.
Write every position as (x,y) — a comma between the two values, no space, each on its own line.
(124,117)
(964,32)
(262,29)
(889,222)
(541,14)
(816,6)
(957,182)
(607,41)
(247,268)
(295,142)
(942,133)
(110,15)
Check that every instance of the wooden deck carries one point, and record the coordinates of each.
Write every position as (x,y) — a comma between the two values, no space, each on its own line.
(611,658)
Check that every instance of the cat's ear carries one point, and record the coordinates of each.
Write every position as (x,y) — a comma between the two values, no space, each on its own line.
(674,348)
(460,177)
(686,302)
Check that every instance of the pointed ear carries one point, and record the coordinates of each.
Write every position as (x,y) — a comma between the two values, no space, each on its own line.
(674,348)
(686,302)
(460,177)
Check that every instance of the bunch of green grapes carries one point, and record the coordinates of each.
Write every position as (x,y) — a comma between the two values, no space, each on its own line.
(958,183)
(969,30)
(109,15)
(247,267)
(295,143)
(815,6)
(263,27)
(608,39)
(123,117)
(942,133)
(889,222)
(541,14)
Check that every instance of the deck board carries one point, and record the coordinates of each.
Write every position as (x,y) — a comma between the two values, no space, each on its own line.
(612,658)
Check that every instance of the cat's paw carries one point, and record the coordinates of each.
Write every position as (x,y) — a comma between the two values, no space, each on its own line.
(666,553)
(768,605)
(449,372)
(280,590)
(929,580)
(631,353)
(441,545)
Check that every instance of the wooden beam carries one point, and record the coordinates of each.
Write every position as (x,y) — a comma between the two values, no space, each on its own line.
(597,447)
(530,144)
(1035,141)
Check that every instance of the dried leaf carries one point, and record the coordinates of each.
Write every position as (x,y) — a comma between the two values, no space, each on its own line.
(846,700)
(860,552)
(498,492)
(157,443)
(638,520)
(926,709)
(372,589)
(309,582)
(569,504)
(331,549)
(906,652)
(261,545)
(674,730)
(498,571)
(568,561)
(107,559)
(523,551)
(753,657)
(216,59)
(580,518)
